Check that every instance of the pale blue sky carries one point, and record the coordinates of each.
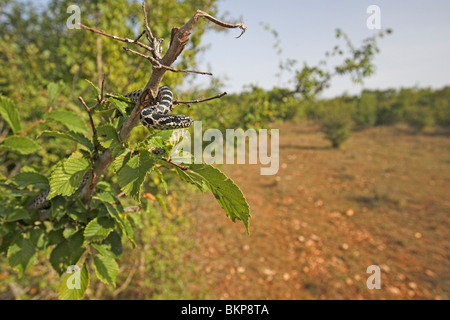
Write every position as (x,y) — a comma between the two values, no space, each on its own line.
(416,54)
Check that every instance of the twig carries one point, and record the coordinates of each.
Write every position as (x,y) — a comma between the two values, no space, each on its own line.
(31,127)
(158,64)
(126,40)
(140,35)
(174,164)
(89,111)
(203,14)
(156,43)
(189,102)
(50,109)
(125,284)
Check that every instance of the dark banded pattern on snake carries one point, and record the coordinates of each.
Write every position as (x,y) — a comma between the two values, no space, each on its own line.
(157,116)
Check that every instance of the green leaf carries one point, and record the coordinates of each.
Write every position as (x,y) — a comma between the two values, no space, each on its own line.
(121,106)
(70,120)
(116,211)
(133,174)
(77,215)
(25,179)
(107,135)
(18,214)
(66,177)
(106,268)
(10,113)
(67,252)
(163,182)
(97,89)
(71,135)
(22,145)
(161,139)
(226,192)
(55,237)
(98,229)
(21,255)
(37,237)
(111,246)
(7,240)
(54,89)
(121,159)
(73,286)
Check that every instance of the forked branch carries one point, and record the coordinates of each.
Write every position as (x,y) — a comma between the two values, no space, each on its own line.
(179,38)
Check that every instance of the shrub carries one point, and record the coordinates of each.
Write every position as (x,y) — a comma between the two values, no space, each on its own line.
(336,129)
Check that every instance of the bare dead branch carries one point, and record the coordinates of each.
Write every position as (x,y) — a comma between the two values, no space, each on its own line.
(149,32)
(189,102)
(156,64)
(221,23)
(155,42)
(126,40)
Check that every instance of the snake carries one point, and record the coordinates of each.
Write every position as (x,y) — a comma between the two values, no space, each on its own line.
(155,116)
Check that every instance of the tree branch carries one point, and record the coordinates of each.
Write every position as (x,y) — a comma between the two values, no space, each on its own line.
(179,38)
(157,65)
(126,40)
(189,102)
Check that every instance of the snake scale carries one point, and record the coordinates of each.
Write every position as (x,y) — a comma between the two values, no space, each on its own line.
(153,117)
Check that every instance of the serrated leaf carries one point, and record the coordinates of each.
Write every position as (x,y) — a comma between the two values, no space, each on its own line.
(22,145)
(117,97)
(71,135)
(70,120)
(67,175)
(67,252)
(54,89)
(121,106)
(226,192)
(72,286)
(25,179)
(98,229)
(106,268)
(107,135)
(133,173)
(10,113)
(21,255)
(121,159)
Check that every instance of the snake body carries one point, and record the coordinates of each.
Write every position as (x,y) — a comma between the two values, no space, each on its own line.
(153,117)
(157,116)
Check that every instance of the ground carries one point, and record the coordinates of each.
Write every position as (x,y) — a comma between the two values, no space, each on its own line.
(382,199)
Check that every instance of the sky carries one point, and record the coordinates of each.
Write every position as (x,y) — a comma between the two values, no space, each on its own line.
(416,54)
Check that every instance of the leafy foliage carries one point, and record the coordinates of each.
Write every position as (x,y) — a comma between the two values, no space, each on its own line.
(78,232)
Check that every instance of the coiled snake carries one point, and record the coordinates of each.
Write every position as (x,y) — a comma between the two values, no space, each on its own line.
(153,117)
